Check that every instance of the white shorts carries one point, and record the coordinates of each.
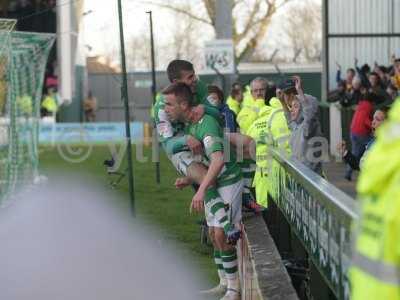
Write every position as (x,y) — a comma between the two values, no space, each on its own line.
(231,195)
(183,159)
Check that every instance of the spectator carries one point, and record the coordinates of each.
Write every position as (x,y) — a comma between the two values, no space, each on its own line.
(216,98)
(361,129)
(235,99)
(350,73)
(250,110)
(395,79)
(353,161)
(382,72)
(393,93)
(270,92)
(355,94)
(89,107)
(49,105)
(340,95)
(376,90)
(301,112)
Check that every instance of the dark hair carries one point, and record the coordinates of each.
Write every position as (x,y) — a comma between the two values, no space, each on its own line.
(351,70)
(236,88)
(341,83)
(365,69)
(216,90)
(181,91)
(175,68)
(237,84)
(270,93)
(383,69)
(384,109)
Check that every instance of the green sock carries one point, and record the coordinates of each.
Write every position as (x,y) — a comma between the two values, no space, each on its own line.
(230,263)
(220,267)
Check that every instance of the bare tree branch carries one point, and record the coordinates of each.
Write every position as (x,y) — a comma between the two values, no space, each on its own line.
(179,10)
(283,4)
(252,44)
(258,16)
(211,11)
(250,23)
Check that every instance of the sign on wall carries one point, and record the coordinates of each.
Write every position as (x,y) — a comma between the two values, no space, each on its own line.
(220,55)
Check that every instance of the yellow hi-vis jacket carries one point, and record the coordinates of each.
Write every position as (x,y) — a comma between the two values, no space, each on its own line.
(25,104)
(248,114)
(50,103)
(258,132)
(233,105)
(247,97)
(279,133)
(375,270)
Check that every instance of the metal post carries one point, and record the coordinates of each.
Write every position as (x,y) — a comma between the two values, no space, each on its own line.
(223,27)
(153,90)
(325,47)
(124,94)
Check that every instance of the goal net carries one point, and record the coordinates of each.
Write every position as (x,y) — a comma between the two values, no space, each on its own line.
(23,60)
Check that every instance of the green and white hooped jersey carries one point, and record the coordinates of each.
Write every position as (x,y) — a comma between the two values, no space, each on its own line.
(210,133)
(172,134)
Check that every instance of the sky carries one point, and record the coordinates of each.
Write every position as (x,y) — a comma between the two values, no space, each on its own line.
(100,25)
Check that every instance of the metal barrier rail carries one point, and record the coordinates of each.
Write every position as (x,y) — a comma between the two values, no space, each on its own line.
(320,215)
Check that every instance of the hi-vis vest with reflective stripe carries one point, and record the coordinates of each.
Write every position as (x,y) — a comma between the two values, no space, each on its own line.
(258,132)
(248,114)
(233,105)
(375,271)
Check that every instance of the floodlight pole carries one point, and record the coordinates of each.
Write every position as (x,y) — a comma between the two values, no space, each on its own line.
(124,94)
(153,91)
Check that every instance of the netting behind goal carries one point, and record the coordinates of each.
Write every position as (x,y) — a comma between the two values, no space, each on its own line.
(23,61)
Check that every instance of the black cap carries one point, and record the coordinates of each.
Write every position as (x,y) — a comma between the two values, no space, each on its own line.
(287,85)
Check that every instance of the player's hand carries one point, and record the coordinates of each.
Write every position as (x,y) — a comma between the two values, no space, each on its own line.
(197,201)
(182,182)
(194,145)
(338,66)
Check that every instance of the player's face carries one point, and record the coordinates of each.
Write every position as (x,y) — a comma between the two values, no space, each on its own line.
(189,78)
(172,108)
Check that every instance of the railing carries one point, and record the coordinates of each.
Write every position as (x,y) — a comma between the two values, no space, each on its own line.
(320,215)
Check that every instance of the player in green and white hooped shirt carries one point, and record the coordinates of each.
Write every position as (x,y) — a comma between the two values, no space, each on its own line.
(181,148)
(224,175)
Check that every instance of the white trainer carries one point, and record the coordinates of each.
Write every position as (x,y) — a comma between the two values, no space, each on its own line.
(215,291)
(231,294)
